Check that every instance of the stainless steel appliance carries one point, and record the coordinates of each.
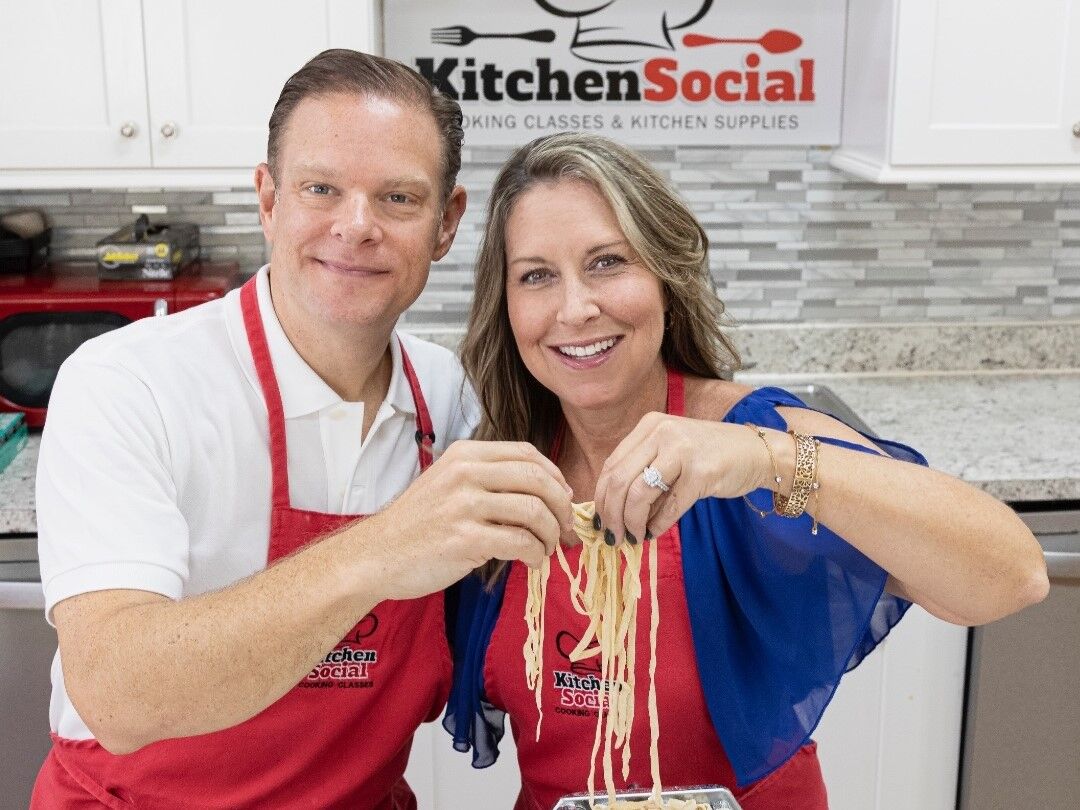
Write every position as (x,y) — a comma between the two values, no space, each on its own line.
(823,398)
(1021,738)
(27,645)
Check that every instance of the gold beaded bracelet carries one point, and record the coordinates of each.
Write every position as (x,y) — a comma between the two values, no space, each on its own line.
(776,471)
(816,486)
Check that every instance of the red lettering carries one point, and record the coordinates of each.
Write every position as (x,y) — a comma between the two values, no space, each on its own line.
(781,86)
(665,84)
(806,68)
(753,92)
(723,80)
(696,85)
(656,72)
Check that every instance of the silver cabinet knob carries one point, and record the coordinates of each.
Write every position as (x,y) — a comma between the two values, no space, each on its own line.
(127,129)
(168,129)
(161,307)
(1076,129)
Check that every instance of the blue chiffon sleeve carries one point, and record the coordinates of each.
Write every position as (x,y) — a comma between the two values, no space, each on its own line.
(777,614)
(470,719)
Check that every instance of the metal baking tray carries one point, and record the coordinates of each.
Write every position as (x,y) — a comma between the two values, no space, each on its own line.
(717,798)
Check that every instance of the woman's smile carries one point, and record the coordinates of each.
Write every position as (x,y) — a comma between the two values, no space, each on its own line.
(587,354)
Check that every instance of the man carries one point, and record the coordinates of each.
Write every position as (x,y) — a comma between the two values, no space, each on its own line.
(230,634)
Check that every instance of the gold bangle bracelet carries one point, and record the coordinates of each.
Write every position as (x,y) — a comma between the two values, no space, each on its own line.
(805,474)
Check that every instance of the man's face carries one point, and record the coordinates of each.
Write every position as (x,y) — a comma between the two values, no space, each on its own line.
(356,214)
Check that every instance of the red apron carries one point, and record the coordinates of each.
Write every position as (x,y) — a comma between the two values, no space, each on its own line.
(689,749)
(339,739)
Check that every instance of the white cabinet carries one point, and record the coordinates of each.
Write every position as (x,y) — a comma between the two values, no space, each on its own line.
(890,738)
(180,90)
(73,84)
(962,91)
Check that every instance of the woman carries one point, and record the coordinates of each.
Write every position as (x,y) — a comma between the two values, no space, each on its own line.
(594,335)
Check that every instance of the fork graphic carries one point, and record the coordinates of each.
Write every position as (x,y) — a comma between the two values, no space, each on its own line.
(462,35)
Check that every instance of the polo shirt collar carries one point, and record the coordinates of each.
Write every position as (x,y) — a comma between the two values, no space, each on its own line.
(303,391)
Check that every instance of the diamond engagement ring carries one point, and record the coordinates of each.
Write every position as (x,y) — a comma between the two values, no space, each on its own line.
(652,477)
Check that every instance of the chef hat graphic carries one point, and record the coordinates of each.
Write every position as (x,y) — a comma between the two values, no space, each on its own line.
(609,33)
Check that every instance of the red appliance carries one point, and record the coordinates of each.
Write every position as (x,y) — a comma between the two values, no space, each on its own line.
(44,317)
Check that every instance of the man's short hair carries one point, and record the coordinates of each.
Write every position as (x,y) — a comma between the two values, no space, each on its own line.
(340,70)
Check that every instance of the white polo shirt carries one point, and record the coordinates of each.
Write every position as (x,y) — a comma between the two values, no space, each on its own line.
(154,472)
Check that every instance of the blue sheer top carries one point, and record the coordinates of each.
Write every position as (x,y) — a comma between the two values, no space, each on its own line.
(777,615)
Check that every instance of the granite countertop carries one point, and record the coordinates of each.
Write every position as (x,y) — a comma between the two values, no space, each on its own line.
(1011,434)
(17,507)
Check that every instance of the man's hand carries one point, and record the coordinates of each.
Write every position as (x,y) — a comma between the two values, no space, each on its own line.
(480,501)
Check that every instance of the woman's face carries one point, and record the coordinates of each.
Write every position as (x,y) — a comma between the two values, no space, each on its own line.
(587,315)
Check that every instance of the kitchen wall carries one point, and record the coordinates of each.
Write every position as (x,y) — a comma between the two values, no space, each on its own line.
(792,239)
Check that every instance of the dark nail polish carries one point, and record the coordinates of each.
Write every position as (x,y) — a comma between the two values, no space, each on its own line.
(609,537)
(596,522)
(630,538)
(648,535)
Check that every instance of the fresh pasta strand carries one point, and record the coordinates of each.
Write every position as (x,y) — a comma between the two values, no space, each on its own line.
(534,639)
(654,715)
(606,588)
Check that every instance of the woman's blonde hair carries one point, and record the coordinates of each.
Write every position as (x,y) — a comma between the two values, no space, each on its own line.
(659,227)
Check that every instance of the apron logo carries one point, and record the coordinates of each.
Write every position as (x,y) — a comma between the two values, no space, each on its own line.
(346,666)
(565,643)
(580,692)
(365,628)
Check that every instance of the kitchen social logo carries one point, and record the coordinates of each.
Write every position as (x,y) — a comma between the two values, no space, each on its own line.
(578,686)
(627,66)
(349,664)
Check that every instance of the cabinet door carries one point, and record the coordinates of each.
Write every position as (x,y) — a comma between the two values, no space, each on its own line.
(74,86)
(215,70)
(890,739)
(987,83)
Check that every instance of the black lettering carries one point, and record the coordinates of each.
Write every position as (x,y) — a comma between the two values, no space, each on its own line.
(587,85)
(543,83)
(469,93)
(440,77)
(513,90)
(490,75)
(614,88)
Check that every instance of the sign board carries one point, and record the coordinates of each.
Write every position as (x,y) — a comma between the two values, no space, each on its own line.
(653,72)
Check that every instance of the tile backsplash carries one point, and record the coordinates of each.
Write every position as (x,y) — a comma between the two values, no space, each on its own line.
(792,240)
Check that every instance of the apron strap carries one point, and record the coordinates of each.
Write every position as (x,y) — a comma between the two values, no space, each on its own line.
(676,404)
(425,431)
(264,367)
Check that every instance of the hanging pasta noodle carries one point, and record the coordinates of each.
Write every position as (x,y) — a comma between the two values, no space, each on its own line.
(534,639)
(606,588)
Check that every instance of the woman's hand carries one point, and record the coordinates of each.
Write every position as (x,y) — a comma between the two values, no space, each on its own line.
(695,458)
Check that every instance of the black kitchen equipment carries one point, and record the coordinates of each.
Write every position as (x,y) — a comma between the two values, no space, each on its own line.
(146,251)
(24,241)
